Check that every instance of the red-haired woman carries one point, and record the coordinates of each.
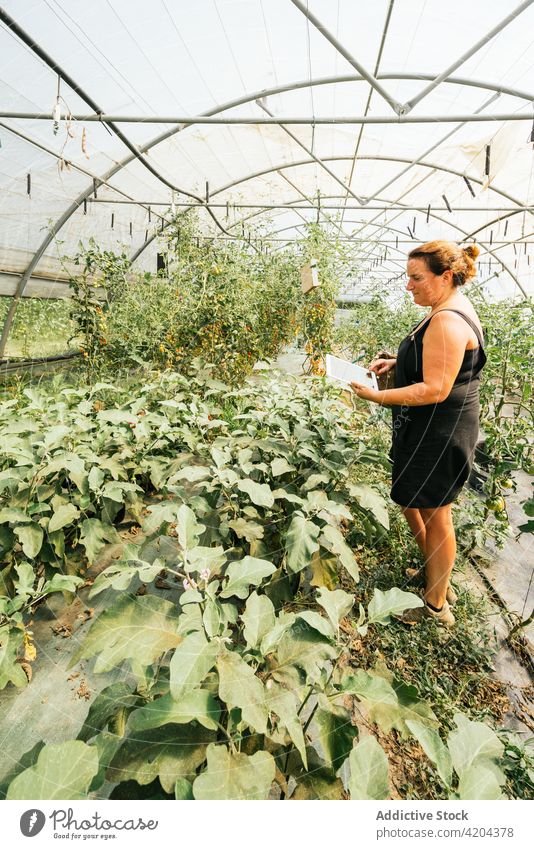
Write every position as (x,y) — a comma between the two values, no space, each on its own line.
(435,411)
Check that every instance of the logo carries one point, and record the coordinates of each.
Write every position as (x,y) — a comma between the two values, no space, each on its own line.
(32,822)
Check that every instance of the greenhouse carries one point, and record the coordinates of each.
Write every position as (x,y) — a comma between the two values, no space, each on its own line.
(266,519)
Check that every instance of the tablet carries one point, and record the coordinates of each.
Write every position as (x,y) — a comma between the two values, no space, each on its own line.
(348,372)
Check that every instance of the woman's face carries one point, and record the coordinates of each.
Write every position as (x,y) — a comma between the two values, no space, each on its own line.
(426,288)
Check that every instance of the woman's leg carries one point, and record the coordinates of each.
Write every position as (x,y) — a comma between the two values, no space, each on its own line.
(417,526)
(440,543)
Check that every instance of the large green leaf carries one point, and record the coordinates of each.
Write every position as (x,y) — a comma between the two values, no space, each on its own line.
(320,623)
(62,584)
(26,760)
(324,568)
(187,527)
(121,572)
(191,474)
(31,539)
(316,781)
(258,618)
(337,604)
(336,732)
(302,646)
(333,540)
(434,748)
(369,499)
(64,515)
(199,705)
(7,540)
(243,573)
(109,701)
(368,770)
(138,629)
(183,790)
(94,535)
(246,530)
(203,557)
(284,704)
(168,753)
(191,662)
(10,644)
(14,516)
(475,751)
(383,605)
(240,687)
(389,704)
(235,775)
(106,744)
(25,580)
(301,542)
(280,466)
(259,493)
(62,771)
(158,515)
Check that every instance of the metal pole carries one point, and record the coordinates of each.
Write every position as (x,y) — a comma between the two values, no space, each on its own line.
(311,205)
(395,105)
(333,120)
(465,56)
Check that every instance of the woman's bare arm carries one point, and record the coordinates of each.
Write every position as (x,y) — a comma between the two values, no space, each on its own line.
(444,346)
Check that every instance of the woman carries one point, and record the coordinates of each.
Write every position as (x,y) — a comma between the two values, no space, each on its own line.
(435,411)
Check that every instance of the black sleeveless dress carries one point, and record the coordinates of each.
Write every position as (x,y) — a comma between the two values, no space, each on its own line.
(433,445)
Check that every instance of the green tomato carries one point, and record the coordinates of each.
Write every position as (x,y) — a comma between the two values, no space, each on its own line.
(496,504)
(507,483)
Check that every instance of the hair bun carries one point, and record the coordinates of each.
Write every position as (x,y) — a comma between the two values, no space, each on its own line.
(472,251)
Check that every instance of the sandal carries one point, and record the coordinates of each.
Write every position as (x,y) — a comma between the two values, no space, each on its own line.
(443,617)
(413,574)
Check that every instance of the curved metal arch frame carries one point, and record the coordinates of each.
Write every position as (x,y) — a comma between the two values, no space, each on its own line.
(382,225)
(378,158)
(57,226)
(492,253)
(455,227)
(286,165)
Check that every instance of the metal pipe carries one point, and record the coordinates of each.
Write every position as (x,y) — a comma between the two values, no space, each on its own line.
(408,106)
(184,121)
(312,206)
(395,105)
(265,238)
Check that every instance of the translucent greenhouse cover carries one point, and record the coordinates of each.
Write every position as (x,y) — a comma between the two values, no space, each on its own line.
(389,182)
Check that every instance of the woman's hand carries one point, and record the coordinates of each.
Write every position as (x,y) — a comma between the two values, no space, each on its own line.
(366,392)
(381,366)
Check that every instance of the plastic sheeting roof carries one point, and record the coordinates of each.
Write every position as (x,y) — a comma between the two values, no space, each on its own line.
(178,59)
